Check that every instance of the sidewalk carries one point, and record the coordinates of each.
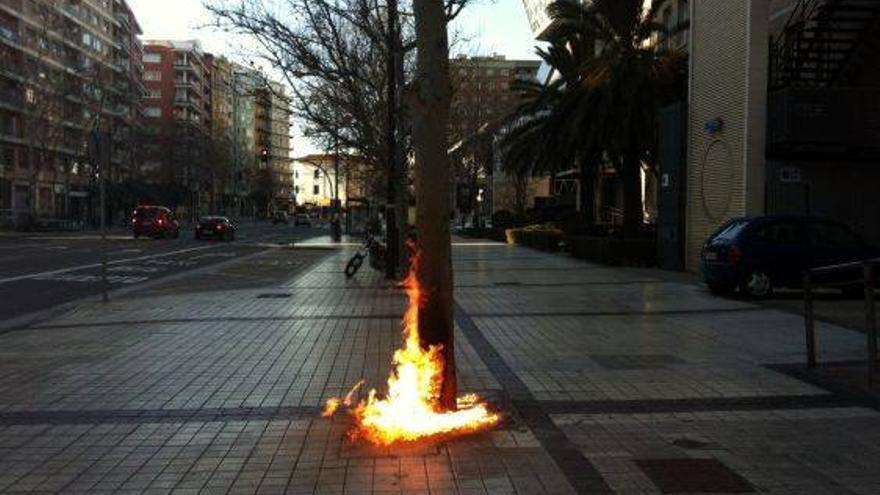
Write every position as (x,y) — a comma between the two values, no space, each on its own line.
(611,381)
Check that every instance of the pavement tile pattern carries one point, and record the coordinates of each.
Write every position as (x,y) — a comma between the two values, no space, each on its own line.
(610,380)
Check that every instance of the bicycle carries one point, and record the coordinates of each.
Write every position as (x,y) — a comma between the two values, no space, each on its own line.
(372,248)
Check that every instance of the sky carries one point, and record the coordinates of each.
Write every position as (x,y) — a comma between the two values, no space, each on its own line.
(486,27)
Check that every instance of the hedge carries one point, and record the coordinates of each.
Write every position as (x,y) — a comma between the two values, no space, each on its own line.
(543,238)
(613,250)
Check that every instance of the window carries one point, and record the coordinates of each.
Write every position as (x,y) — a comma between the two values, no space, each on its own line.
(152,58)
(153,112)
(296,174)
(153,94)
(317,175)
(829,235)
(152,75)
(780,233)
(296,189)
(730,231)
(316,190)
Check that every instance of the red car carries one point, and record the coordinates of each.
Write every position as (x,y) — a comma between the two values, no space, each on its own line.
(154,221)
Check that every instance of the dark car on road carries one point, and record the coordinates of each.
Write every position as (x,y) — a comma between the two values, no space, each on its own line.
(154,221)
(213,227)
(279,217)
(302,219)
(757,254)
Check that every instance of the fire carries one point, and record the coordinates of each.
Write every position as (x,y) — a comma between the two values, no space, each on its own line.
(410,410)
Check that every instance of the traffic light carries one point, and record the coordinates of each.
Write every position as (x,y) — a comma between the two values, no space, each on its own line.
(264,156)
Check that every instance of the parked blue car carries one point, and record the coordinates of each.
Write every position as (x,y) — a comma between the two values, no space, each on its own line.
(756,254)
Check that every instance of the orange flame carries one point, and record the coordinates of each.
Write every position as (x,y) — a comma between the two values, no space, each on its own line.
(410,410)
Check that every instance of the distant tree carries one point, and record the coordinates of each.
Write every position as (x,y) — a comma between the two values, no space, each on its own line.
(263,184)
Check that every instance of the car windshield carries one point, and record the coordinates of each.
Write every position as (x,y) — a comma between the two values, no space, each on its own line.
(730,231)
(146,213)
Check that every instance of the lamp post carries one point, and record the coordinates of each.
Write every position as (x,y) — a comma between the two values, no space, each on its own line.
(392,252)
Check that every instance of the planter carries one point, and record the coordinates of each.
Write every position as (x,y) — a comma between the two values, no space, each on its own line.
(543,239)
(613,251)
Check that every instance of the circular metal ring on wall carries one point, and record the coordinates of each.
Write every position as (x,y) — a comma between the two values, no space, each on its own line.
(716,168)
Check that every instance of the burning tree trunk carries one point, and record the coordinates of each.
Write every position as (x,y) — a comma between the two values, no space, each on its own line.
(430,102)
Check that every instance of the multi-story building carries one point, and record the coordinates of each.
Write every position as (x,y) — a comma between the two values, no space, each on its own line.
(176,111)
(272,126)
(539,20)
(250,122)
(68,70)
(484,95)
(314,179)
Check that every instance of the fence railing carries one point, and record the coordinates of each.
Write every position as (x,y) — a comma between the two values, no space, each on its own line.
(863,273)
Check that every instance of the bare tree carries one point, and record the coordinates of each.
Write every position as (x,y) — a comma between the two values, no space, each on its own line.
(334,55)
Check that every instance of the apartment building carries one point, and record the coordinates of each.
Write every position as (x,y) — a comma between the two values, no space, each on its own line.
(315,179)
(272,130)
(176,110)
(484,95)
(68,70)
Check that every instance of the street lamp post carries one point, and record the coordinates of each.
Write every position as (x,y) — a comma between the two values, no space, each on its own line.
(392,252)
(336,226)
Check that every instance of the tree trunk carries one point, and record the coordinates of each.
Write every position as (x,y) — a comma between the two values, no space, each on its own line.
(586,188)
(632,195)
(430,106)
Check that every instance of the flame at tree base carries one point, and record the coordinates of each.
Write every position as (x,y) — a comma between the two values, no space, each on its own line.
(410,410)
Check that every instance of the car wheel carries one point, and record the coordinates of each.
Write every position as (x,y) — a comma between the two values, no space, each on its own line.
(176,233)
(756,285)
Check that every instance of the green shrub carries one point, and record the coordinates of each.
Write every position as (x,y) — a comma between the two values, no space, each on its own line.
(613,251)
(540,236)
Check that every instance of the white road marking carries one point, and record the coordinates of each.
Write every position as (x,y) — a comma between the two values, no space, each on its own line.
(134,269)
(126,251)
(57,248)
(212,255)
(85,279)
(151,257)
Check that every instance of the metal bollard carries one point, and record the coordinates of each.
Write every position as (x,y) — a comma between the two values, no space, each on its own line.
(870,321)
(809,323)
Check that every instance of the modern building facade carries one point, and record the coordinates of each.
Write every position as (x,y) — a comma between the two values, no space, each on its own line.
(69,70)
(539,21)
(790,130)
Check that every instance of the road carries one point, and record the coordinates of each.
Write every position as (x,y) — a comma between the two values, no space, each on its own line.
(41,271)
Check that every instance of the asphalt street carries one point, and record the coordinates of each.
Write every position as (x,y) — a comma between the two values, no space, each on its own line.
(41,271)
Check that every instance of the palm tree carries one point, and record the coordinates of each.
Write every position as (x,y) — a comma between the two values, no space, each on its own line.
(613,78)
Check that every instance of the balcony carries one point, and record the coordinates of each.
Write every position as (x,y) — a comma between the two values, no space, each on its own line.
(829,121)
